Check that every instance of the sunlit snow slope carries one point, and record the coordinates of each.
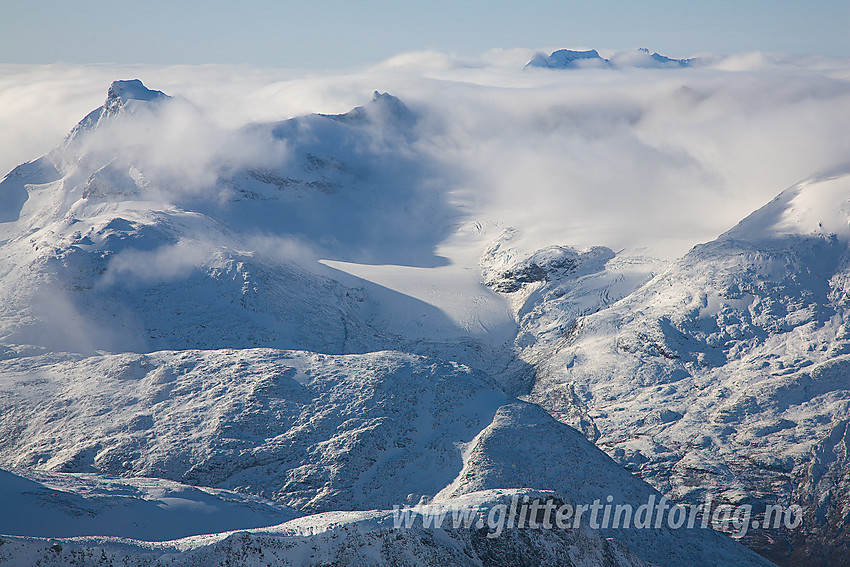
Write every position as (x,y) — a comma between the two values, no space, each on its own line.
(727,375)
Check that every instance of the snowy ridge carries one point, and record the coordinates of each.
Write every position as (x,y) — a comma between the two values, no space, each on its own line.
(341,538)
(311,431)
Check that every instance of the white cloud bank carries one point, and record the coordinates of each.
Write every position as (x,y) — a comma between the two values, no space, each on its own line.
(622,158)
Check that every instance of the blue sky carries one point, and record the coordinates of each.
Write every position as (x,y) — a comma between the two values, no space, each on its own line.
(337,34)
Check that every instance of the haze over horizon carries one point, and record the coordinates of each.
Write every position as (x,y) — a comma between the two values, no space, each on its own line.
(334,35)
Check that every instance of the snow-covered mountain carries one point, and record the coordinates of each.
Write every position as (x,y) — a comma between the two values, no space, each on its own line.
(111,250)
(205,325)
(313,432)
(590,59)
(725,375)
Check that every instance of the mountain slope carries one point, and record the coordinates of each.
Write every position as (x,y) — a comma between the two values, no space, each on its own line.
(726,374)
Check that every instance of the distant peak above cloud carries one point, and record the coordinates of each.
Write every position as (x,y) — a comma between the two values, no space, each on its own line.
(641,58)
(568,59)
(663,60)
(122,95)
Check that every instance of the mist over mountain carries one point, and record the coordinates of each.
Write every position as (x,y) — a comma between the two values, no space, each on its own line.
(472,284)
